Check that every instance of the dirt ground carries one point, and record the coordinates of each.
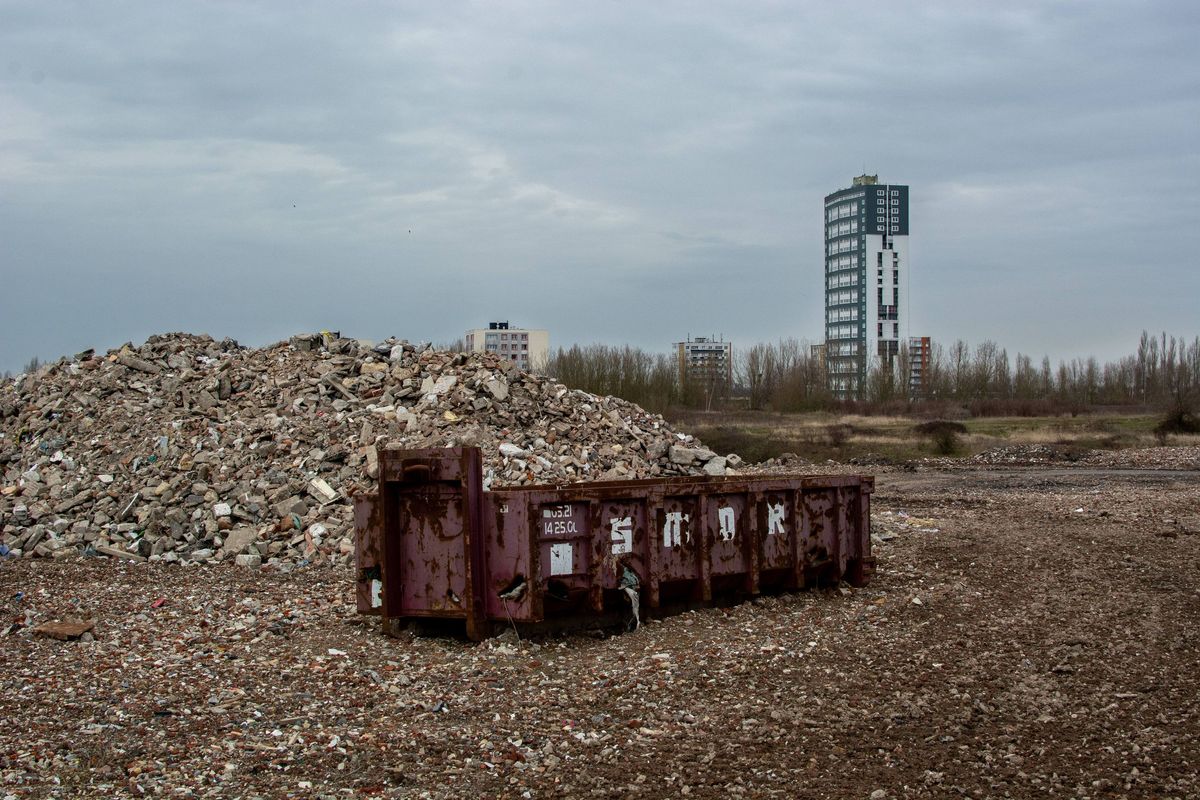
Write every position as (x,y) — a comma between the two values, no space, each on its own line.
(1029,633)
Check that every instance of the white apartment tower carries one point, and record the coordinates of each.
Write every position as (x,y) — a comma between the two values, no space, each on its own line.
(866,280)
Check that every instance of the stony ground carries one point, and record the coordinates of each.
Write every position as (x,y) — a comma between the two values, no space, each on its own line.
(1031,632)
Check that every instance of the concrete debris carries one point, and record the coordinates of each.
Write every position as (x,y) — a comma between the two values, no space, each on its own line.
(187,449)
(1054,655)
(322,491)
(64,631)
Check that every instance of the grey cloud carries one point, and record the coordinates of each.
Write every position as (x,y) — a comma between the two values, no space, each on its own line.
(612,172)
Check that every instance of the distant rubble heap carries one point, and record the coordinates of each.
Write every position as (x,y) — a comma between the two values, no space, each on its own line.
(190,449)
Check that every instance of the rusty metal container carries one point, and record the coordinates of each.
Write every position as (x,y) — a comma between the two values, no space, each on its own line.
(432,544)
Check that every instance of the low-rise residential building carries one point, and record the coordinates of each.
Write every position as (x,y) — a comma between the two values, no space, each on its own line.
(528,348)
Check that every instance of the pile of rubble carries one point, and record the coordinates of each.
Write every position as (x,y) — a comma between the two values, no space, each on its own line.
(190,449)
(1180,457)
(1027,455)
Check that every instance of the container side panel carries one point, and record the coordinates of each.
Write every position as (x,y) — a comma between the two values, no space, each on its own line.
(368,539)
(431,529)
(677,539)
(728,526)
(622,541)
(508,560)
(779,515)
(821,547)
(847,505)
(564,536)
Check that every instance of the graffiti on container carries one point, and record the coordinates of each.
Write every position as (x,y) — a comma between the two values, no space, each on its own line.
(622,535)
(727,523)
(775,515)
(431,543)
(675,532)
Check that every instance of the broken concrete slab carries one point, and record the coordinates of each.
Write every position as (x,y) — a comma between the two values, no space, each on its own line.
(238,540)
(64,630)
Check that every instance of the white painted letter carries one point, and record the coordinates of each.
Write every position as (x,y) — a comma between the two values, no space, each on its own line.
(775,514)
(727,522)
(673,531)
(622,534)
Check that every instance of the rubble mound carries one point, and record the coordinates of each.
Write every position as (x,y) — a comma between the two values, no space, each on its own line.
(191,449)
(1028,455)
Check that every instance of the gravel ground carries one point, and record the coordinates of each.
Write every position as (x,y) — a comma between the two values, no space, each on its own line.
(1029,633)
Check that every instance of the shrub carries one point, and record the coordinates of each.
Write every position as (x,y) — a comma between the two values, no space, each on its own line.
(752,446)
(942,433)
(1178,420)
(838,434)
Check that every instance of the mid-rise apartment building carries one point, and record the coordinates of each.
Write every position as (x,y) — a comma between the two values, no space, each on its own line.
(866,280)
(706,361)
(526,347)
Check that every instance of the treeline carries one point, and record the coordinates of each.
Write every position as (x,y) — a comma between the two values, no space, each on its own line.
(788,375)
(1163,372)
(648,379)
(782,376)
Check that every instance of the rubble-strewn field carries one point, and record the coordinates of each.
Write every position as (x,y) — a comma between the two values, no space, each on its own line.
(1031,632)
(178,613)
(757,435)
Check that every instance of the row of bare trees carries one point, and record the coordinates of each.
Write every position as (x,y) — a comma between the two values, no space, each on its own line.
(1164,371)
(782,375)
(648,379)
(787,375)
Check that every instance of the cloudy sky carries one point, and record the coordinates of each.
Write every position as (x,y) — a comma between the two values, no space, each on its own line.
(613,172)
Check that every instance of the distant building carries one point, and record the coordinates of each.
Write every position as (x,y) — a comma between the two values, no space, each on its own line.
(526,347)
(866,279)
(919,348)
(816,354)
(706,362)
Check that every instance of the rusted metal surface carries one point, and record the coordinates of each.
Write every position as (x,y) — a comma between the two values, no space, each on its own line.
(433,544)
(368,523)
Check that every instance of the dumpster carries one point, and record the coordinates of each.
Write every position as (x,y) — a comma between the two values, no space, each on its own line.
(431,544)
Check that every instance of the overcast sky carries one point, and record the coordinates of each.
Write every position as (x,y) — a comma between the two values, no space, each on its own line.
(613,172)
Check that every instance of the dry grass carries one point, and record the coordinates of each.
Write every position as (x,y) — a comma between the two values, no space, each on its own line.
(820,436)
